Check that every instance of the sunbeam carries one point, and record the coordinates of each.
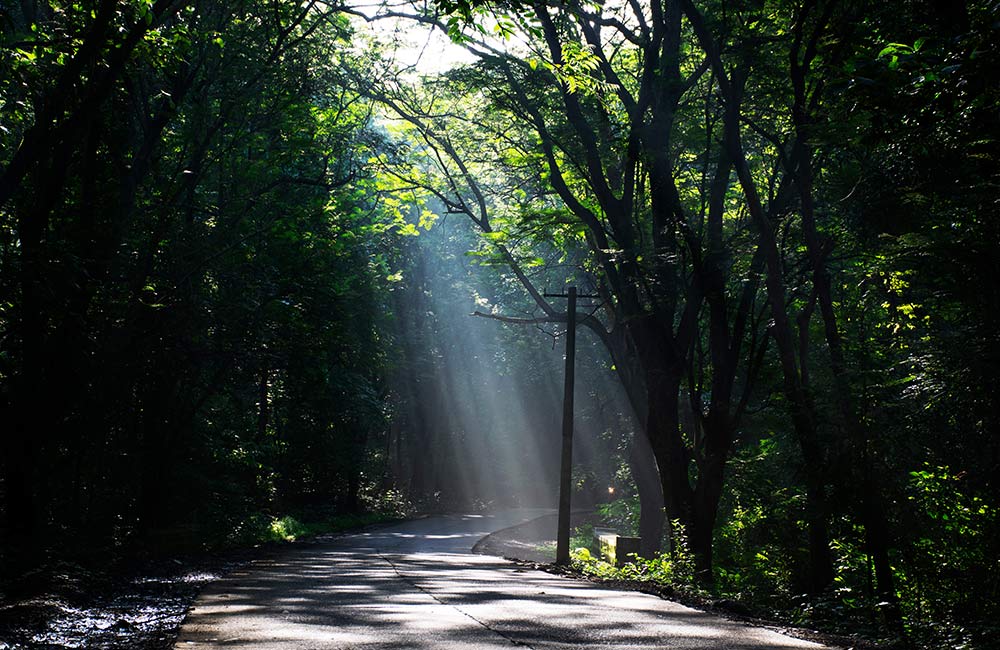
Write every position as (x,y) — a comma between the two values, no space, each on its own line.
(482,415)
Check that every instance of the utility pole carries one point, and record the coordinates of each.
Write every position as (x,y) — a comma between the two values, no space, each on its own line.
(566,461)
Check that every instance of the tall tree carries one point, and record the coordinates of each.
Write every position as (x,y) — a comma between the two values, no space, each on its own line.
(590,122)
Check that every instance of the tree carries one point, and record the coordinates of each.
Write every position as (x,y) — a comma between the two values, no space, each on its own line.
(592,135)
(199,261)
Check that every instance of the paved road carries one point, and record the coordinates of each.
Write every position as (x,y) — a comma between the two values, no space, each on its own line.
(416,585)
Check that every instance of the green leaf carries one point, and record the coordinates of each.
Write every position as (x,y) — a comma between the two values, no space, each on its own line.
(408,230)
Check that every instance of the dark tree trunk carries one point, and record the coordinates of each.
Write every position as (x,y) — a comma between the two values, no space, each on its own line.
(708,489)
(707,495)
(662,429)
(872,511)
(34,399)
(642,461)
(711,453)
(802,409)
(800,404)
(647,481)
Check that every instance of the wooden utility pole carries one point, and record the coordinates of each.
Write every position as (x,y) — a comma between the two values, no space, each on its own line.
(566,463)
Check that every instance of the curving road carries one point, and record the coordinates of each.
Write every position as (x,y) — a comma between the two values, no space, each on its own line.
(417,585)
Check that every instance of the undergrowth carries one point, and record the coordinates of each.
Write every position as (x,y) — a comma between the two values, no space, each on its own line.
(303,523)
(289,529)
(673,569)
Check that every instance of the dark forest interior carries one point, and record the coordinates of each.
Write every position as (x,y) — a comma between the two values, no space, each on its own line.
(270,269)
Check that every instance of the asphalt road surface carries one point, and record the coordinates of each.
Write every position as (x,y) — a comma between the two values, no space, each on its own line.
(417,585)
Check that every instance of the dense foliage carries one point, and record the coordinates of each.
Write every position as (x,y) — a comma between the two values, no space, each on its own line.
(194,272)
(227,295)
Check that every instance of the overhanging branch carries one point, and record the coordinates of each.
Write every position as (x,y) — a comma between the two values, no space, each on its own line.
(589,321)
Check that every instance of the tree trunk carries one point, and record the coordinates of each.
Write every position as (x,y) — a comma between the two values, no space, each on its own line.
(647,480)
(801,406)
(707,494)
(662,429)
(877,539)
(802,409)
(32,422)
(642,461)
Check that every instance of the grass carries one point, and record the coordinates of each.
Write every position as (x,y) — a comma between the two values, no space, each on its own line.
(289,529)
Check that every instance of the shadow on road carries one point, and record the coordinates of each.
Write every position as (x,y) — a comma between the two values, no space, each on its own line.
(415,585)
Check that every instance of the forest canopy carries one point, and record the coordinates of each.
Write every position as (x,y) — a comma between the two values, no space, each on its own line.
(262,258)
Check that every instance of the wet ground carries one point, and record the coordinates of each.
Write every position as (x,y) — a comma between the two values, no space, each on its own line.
(136,608)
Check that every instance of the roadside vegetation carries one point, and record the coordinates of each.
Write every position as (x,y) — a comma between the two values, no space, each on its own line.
(758,587)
